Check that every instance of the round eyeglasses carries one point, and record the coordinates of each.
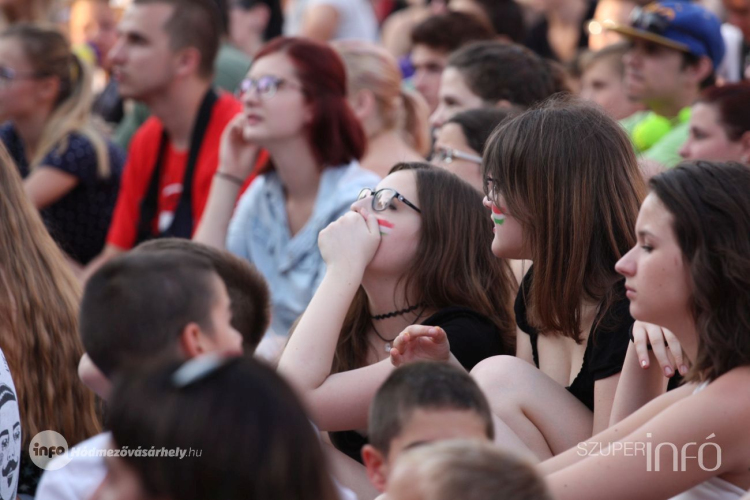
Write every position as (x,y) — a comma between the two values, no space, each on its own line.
(382,198)
(266,86)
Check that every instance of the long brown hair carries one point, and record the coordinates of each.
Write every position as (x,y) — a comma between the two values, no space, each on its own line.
(711,212)
(453,265)
(39,320)
(569,176)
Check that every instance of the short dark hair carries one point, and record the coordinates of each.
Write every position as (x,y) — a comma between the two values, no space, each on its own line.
(478,124)
(450,31)
(426,386)
(689,59)
(497,71)
(194,23)
(506,17)
(136,305)
(248,432)
(247,288)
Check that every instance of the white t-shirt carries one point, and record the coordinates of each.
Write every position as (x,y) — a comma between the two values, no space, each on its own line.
(356,18)
(10,433)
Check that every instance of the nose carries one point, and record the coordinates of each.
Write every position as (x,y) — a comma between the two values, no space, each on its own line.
(486,202)
(250,97)
(685,150)
(362,204)
(626,265)
(438,117)
(115,55)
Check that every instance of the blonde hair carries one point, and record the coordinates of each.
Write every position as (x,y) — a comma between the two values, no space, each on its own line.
(470,470)
(371,67)
(49,54)
(39,299)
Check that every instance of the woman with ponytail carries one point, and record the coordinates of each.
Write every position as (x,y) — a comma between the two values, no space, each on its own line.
(71,173)
(395,119)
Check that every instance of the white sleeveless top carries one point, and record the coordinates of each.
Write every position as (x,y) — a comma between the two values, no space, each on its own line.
(715,488)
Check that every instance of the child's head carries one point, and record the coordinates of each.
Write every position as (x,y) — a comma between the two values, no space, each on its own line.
(242,430)
(142,306)
(420,403)
(464,469)
(248,290)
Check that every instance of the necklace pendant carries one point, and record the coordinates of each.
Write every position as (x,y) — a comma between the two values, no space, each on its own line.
(388,347)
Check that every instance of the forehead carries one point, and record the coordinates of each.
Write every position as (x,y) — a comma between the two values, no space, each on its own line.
(453,83)
(654,217)
(704,114)
(146,19)
(277,64)
(451,134)
(11,52)
(422,54)
(424,426)
(404,182)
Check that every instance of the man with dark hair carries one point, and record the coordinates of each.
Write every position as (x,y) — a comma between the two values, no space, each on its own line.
(676,48)
(490,74)
(164,58)
(432,42)
(420,403)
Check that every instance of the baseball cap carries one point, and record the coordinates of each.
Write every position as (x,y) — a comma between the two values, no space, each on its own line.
(678,25)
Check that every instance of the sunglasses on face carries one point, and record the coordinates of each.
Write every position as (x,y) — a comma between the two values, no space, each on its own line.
(265,86)
(447,155)
(382,198)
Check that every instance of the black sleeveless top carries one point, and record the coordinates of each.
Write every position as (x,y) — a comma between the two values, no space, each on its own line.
(472,336)
(606,346)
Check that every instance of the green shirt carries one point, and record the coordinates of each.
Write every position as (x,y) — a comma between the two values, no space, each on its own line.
(666,150)
(229,69)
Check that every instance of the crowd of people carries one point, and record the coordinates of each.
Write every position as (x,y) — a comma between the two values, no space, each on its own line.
(360,249)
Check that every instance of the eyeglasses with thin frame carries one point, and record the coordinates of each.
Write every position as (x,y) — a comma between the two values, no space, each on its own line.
(266,86)
(447,155)
(382,198)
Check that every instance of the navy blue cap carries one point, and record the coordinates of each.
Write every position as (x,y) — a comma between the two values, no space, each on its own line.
(679,25)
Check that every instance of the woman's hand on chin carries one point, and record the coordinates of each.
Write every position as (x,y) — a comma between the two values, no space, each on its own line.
(237,155)
(665,346)
(420,343)
(350,242)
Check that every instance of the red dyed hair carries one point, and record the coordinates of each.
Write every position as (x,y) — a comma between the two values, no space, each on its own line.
(732,102)
(335,134)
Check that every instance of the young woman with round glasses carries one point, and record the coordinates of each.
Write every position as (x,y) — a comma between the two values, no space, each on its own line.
(416,249)
(295,107)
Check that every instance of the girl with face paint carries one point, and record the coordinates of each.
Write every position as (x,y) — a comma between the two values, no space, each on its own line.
(415,249)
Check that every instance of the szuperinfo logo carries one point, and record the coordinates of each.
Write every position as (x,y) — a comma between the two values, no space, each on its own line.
(46,447)
(660,455)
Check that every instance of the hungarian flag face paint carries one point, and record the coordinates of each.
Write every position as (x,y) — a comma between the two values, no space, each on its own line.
(385,227)
(498,215)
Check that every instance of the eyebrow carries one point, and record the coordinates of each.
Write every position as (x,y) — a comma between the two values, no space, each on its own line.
(643,233)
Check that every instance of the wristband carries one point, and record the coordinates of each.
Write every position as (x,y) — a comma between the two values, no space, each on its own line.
(230,177)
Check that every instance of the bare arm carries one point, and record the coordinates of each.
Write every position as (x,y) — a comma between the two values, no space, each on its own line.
(321,23)
(45,185)
(637,385)
(604,396)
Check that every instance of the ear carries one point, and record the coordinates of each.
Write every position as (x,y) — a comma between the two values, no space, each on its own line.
(363,104)
(188,61)
(193,341)
(745,143)
(377,469)
(701,70)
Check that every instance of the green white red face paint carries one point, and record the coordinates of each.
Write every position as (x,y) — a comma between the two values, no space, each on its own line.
(385,227)
(498,215)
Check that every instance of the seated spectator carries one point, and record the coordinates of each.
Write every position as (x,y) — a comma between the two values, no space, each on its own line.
(326,20)
(421,403)
(295,107)
(413,250)
(71,172)
(39,323)
(466,470)
(394,118)
(10,432)
(459,143)
(253,23)
(720,125)
(543,184)
(259,444)
(144,276)
(491,74)
(688,273)
(174,156)
(676,47)
(602,81)
(433,40)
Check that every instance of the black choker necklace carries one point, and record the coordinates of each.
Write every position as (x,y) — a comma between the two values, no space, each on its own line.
(397,313)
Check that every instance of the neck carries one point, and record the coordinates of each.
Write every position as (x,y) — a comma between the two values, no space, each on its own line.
(30,130)
(671,107)
(177,108)
(684,329)
(384,295)
(296,166)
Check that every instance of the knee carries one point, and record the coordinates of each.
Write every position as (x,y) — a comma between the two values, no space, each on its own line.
(499,373)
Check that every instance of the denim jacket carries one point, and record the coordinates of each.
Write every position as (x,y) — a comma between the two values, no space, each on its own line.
(293,266)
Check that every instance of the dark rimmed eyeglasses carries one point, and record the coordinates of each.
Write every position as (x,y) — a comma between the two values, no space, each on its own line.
(447,155)
(266,86)
(382,198)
